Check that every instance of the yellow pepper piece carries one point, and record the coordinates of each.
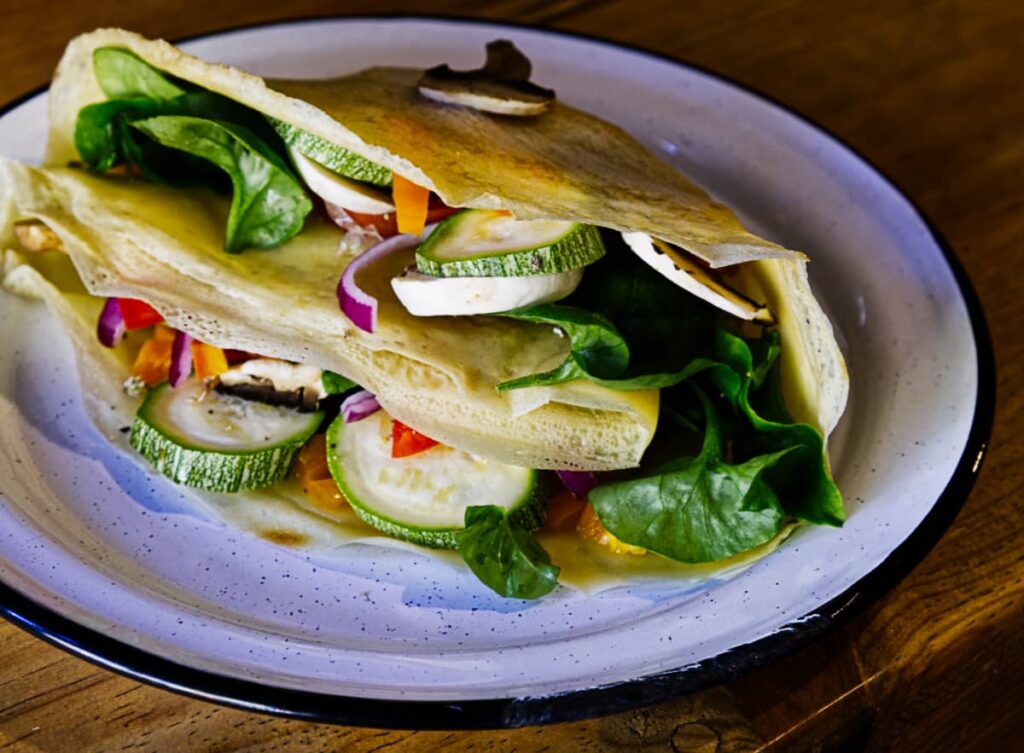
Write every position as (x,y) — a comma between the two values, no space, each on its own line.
(591,528)
(410,205)
(209,360)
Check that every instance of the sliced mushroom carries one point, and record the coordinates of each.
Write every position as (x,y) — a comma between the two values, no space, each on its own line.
(275,382)
(685,271)
(502,86)
(36,237)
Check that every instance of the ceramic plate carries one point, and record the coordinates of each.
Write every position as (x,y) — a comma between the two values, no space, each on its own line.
(112,565)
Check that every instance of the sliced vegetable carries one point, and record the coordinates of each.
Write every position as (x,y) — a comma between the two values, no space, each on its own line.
(209,360)
(579,483)
(423,499)
(181,358)
(485,243)
(688,273)
(311,462)
(411,202)
(564,511)
(358,406)
(590,528)
(268,206)
(325,494)
(426,295)
(385,225)
(138,314)
(153,361)
(501,87)
(335,158)
(504,555)
(406,441)
(110,328)
(217,442)
(275,382)
(340,191)
(358,305)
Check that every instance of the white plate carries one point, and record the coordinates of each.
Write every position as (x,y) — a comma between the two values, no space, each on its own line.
(112,565)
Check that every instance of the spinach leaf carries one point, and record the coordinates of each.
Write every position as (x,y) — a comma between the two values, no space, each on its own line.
(596,347)
(122,74)
(268,205)
(628,328)
(100,129)
(597,352)
(336,384)
(802,478)
(699,509)
(505,557)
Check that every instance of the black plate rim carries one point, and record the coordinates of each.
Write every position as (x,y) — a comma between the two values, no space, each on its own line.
(574,705)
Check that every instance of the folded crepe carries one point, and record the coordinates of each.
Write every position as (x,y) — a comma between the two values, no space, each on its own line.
(165,246)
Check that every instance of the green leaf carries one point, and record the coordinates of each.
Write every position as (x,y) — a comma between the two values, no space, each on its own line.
(506,558)
(699,509)
(802,479)
(99,137)
(336,384)
(268,204)
(122,74)
(628,327)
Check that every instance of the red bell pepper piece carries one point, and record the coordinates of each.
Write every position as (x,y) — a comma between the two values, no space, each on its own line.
(407,441)
(138,314)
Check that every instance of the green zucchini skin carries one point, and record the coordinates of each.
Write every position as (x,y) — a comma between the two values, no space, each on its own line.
(529,511)
(335,158)
(577,248)
(209,469)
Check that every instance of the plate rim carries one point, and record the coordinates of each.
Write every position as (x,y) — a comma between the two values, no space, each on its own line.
(573,705)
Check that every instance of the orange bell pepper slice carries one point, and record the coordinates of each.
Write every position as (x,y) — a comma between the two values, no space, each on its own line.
(311,464)
(411,202)
(153,362)
(407,441)
(591,528)
(564,511)
(209,360)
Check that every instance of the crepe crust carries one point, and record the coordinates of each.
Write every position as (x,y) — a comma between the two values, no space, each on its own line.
(163,246)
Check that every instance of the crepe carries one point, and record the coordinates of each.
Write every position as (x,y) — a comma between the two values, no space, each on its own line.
(164,246)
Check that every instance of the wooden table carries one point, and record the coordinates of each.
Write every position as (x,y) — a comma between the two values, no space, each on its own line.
(931,91)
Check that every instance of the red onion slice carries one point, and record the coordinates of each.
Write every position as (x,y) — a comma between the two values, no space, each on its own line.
(181,358)
(110,329)
(578,482)
(358,406)
(357,304)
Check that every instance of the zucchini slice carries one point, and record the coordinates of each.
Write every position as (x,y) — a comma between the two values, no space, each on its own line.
(335,158)
(216,442)
(483,243)
(425,295)
(423,498)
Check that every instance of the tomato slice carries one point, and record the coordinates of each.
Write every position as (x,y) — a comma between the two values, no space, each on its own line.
(138,314)
(407,441)
(385,224)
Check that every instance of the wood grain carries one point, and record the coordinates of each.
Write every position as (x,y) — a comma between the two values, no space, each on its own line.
(930,90)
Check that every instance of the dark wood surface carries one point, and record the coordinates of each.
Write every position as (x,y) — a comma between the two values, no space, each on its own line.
(931,91)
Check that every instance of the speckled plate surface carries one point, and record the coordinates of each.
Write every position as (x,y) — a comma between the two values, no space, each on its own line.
(109,563)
